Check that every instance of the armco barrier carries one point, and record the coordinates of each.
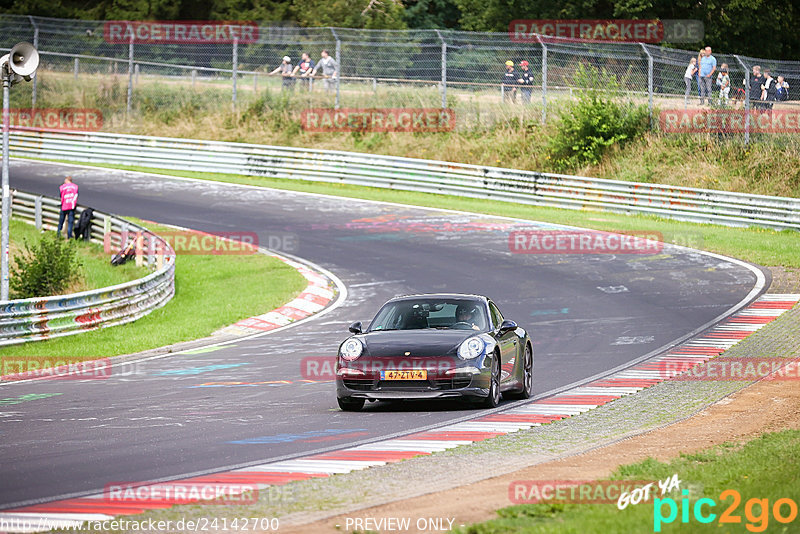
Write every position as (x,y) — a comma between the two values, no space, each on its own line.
(543,189)
(48,317)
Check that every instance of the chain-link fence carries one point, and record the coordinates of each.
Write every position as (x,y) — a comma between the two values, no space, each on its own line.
(464,71)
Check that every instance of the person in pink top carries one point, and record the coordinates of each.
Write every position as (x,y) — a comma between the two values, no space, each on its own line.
(69,199)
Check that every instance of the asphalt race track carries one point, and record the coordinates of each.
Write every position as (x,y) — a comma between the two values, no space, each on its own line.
(171,417)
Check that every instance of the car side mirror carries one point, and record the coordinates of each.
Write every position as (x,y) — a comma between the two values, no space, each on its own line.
(507,325)
(355,327)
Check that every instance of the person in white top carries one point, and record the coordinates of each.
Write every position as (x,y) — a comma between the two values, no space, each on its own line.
(691,70)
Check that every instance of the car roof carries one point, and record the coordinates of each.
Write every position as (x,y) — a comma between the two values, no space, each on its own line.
(440,295)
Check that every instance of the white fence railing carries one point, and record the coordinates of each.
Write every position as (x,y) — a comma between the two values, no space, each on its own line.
(49,317)
(542,189)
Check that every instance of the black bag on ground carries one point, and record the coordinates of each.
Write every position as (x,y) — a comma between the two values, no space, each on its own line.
(125,253)
(84,227)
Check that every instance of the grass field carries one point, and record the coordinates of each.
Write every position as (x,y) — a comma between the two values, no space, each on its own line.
(760,472)
(203,303)
(96,270)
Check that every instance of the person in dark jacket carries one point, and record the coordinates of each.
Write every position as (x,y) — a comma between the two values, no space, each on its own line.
(756,81)
(525,81)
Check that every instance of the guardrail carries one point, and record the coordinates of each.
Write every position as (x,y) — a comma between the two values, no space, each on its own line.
(542,189)
(48,317)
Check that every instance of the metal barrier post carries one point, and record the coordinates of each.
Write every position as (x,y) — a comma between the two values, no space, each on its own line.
(234,73)
(746,100)
(544,81)
(37,212)
(36,46)
(75,69)
(338,66)
(443,84)
(130,76)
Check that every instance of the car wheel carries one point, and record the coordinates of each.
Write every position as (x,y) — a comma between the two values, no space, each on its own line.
(492,400)
(350,404)
(527,376)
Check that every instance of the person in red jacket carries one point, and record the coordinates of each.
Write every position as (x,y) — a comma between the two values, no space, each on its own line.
(69,200)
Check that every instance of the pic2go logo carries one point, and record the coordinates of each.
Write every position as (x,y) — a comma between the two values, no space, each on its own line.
(757,511)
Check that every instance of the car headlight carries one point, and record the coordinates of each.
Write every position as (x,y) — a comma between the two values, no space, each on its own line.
(471,348)
(351,349)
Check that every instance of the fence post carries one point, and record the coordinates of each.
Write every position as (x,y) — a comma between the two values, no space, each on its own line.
(37,212)
(544,79)
(339,66)
(75,68)
(443,84)
(130,76)
(746,100)
(235,63)
(36,46)
(255,82)
(194,75)
(136,73)
(649,83)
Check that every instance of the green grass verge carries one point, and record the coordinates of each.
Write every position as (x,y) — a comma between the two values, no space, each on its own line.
(96,271)
(757,245)
(764,468)
(205,287)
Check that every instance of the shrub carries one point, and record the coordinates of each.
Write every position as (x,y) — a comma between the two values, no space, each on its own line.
(46,268)
(598,119)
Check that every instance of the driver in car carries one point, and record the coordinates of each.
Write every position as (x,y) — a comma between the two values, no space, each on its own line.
(465,313)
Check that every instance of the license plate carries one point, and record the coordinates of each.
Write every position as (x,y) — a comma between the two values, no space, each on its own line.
(411,374)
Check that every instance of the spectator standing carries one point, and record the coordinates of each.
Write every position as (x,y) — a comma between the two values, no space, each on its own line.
(525,81)
(781,90)
(768,89)
(724,85)
(706,65)
(69,200)
(691,70)
(756,81)
(285,70)
(304,69)
(329,69)
(509,86)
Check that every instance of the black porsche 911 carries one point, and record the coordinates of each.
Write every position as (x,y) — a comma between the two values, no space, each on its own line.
(435,346)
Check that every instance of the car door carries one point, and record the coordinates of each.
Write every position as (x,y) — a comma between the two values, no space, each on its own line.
(507,342)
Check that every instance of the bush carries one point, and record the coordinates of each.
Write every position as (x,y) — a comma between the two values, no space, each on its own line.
(44,269)
(598,119)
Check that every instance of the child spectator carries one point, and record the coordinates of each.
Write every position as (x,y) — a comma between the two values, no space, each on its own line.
(691,70)
(781,90)
(724,85)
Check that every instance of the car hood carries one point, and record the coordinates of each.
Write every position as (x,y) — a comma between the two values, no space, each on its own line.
(421,343)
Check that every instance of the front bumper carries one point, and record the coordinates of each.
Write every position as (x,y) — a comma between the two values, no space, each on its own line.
(458,385)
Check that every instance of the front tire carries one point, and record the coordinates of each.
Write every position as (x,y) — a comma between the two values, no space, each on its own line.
(527,376)
(350,404)
(492,400)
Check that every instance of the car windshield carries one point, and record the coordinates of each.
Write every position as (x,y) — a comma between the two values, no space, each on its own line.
(425,313)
